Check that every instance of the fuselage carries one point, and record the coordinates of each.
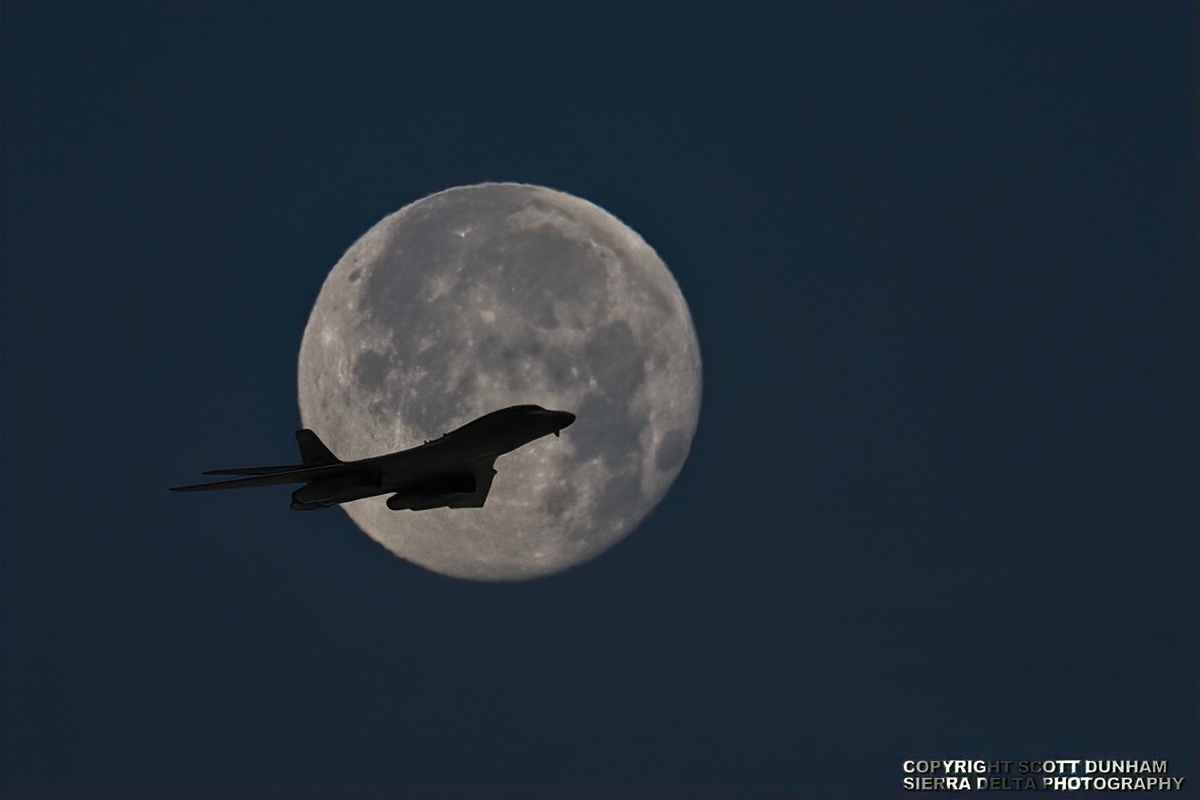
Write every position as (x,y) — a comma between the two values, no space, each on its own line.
(490,436)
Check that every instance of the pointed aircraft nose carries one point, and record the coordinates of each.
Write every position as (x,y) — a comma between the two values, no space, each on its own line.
(563,417)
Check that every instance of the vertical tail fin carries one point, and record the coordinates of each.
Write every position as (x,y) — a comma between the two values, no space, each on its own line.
(313,451)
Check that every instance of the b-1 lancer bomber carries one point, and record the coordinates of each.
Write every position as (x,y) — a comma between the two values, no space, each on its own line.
(454,471)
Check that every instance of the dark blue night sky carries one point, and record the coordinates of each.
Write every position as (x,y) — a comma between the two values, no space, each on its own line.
(941,503)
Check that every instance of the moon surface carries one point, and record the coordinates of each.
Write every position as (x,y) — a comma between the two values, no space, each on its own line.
(500,294)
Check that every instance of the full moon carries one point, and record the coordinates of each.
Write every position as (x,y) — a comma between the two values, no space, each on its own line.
(493,295)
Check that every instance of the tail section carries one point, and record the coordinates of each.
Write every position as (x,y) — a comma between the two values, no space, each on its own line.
(313,451)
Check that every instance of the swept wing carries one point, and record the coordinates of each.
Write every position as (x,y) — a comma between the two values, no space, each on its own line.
(302,475)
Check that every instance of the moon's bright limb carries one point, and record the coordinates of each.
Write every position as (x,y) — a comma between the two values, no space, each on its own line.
(487,296)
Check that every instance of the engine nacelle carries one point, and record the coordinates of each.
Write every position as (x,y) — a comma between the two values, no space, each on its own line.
(433,493)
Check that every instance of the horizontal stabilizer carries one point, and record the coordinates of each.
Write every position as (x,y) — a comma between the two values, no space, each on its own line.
(302,475)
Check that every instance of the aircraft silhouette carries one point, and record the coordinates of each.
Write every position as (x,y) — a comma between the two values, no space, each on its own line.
(454,471)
